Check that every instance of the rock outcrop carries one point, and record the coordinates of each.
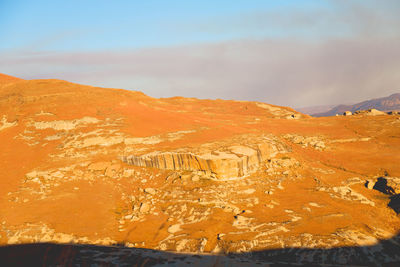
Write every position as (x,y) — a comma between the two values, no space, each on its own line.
(4,124)
(387,185)
(371,112)
(236,161)
(315,142)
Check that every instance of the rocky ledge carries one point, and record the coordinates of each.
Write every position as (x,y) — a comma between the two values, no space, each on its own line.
(235,161)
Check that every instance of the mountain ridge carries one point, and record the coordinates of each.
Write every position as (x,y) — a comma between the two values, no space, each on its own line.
(388,103)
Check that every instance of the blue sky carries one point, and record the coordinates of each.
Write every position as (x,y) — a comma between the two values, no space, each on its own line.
(251,50)
(102,25)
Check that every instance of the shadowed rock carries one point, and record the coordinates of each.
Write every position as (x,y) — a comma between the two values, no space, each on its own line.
(382,186)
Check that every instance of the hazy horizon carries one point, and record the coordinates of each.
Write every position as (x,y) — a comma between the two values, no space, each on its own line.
(290,53)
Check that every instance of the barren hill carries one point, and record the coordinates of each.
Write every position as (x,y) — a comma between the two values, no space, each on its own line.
(89,165)
(388,103)
(8,79)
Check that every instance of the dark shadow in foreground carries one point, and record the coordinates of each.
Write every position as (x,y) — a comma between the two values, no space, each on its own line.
(385,253)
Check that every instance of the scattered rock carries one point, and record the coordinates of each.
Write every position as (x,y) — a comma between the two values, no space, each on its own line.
(64,125)
(241,221)
(186,176)
(128,217)
(293,117)
(150,191)
(174,228)
(128,173)
(4,124)
(313,204)
(144,207)
(315,142)
(248,191)
(112,170)
(203,243)
(181,245)
(370,184)
(31,175)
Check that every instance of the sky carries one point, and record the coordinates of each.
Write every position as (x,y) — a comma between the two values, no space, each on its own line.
(286,52)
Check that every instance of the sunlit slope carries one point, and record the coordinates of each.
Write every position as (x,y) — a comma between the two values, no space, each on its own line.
(92,165)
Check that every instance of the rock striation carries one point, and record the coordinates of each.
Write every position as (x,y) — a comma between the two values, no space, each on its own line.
(236,161)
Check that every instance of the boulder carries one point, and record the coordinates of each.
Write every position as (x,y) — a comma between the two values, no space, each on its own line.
(370,184)
(375,112)
(150,191)
(144,207)
(293,117)
(174,228)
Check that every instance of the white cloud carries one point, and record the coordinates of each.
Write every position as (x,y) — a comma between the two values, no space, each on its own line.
(294,70)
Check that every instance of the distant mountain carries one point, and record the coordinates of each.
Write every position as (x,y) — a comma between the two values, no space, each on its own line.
(315,109)
(388,103)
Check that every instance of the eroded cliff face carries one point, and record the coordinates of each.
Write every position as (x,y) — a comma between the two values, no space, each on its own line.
(231,162)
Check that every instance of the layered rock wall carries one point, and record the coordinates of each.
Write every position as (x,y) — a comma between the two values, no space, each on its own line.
(236,161)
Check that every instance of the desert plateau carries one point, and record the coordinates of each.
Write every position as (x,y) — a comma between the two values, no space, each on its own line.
(85,165)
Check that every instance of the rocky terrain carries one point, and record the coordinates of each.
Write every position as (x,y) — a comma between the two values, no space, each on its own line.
(182,180)
(389,103)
